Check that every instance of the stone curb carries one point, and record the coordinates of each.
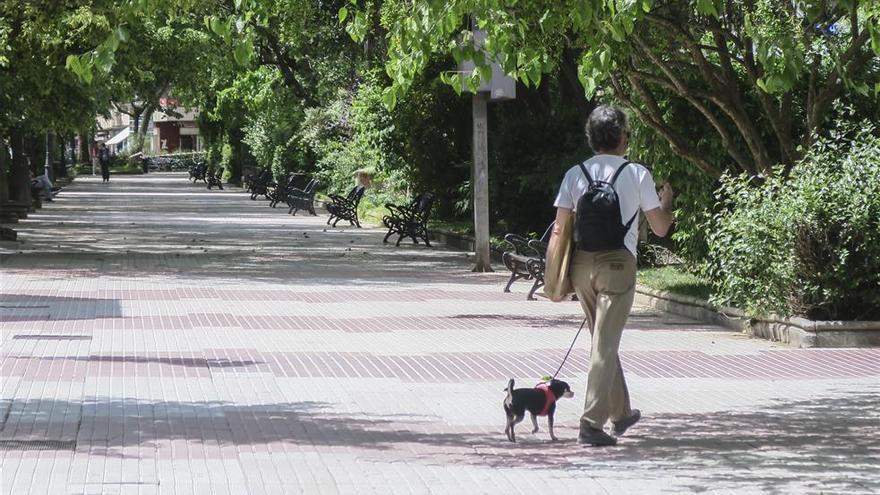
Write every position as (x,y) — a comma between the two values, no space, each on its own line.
(795,331)
(692,307)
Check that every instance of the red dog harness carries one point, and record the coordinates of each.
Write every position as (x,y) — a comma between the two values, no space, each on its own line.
(549,398)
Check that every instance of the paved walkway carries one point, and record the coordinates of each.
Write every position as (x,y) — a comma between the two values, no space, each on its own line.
(161,338)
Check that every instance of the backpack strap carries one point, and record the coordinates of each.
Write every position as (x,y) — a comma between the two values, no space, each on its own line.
(619,170)
(631,220)
(584,170)
(613,180)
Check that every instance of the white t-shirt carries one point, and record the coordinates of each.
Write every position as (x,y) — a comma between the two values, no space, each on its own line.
(635,190)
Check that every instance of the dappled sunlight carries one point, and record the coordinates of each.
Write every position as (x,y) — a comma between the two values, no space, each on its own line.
(205,233)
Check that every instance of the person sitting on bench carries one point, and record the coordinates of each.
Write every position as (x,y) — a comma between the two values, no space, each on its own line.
(42,186)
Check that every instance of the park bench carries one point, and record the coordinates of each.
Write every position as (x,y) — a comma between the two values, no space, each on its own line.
(526,260)
(198,171)
(346,208)
(279,193)
(303,199)
(409,220)
(214,178)
(259,184)
(248,181)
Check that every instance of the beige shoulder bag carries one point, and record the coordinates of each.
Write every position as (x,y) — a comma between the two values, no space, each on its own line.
(557,284)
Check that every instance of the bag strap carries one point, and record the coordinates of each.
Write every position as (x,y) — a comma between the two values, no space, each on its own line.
(587,174)
(613,179)
(631,220)
(617,173)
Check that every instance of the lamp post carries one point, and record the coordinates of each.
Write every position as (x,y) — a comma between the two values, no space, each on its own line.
(500,87)
(47,165)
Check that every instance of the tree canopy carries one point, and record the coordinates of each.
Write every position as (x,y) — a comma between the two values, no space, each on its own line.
(763,74)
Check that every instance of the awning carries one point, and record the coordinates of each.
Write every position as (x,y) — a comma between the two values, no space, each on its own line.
(119,137)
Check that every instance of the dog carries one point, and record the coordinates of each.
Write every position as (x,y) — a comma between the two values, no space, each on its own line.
(538,401)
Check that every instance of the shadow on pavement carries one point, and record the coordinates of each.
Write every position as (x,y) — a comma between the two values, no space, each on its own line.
(785,446)
(24,307)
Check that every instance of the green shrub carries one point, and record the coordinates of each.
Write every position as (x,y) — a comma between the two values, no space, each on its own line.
(226,160)
(808,244)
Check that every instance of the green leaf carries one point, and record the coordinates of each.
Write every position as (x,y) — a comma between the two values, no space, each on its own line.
(343,14)
(389,98)
(589,86)
(455,82)
(875,39)
(472,84)
(218,27)
(104,59)
(534,73)
(707,7)
(243,52)
(485,72)
(72,63)
(122,34)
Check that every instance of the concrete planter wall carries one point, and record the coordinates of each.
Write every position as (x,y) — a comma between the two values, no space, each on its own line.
(692,307)
(796,332)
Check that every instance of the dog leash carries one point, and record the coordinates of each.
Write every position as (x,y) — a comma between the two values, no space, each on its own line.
(570,347)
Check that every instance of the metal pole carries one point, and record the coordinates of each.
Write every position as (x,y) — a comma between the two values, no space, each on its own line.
(47,166)
(481,182)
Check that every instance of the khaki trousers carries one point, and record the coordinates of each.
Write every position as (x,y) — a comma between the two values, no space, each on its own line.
(605,284)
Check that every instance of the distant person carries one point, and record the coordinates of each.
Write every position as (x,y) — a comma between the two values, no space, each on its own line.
(104,160)
(603,266)
(41,186)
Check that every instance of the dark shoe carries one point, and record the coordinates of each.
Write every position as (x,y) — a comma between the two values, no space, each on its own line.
(595,437)
(621,426)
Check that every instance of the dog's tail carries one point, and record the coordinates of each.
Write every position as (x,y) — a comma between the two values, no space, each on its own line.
(509,399)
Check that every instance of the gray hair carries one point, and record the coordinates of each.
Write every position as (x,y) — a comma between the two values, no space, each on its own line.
(605,127)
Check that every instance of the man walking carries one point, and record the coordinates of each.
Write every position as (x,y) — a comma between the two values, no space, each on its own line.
(603,266)
(104,160)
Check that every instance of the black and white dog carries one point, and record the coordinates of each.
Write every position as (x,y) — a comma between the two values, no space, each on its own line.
(538,401)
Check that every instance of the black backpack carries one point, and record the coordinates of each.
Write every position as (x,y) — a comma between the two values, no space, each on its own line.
(597,226)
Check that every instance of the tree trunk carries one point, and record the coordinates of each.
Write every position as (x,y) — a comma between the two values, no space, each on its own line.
(61,170)
(141,132)
(481,183)
(7,210)
(4,179)
(85,155)
(19,177)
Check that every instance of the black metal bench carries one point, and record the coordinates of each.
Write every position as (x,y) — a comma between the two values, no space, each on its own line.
(410,220)
(346,208)
(213,178)
(279,193)
(259,185)
(198,172)
(303,199)
(526,260)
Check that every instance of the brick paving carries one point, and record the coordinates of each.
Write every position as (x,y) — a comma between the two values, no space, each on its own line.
(160,338)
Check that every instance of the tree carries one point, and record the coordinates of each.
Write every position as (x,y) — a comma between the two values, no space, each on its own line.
(161,53)
(38,95)
(761,73)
